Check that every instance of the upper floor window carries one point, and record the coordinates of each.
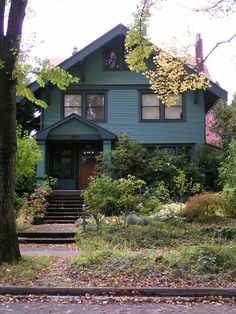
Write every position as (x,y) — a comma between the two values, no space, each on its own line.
(73,104)
(152,109)
(115,58)
(95,107)
(88,105)
(175,111)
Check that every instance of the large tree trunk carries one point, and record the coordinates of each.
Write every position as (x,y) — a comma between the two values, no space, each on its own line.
(9,47)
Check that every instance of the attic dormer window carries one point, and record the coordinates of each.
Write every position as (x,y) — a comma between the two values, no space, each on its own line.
(114,58)
(112,61)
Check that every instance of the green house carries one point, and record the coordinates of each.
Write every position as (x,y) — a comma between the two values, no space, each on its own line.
(109,99)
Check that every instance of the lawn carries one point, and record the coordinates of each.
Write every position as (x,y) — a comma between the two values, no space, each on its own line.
(163,253)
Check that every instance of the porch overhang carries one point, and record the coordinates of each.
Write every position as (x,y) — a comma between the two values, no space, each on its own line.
(74,128)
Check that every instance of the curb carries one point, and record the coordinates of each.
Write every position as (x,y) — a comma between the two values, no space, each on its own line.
(118,291)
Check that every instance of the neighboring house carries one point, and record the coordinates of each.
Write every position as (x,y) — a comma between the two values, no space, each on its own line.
(109,100)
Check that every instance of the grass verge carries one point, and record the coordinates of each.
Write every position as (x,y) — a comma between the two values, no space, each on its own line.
(23,271)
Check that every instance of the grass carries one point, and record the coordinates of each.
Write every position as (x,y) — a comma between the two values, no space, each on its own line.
(157,234)
(23,271)
(202,252)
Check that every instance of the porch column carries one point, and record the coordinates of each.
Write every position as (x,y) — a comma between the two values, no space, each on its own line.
(107,151)
(40,174)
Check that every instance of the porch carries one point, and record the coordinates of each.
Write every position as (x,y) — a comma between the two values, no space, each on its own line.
(69,149)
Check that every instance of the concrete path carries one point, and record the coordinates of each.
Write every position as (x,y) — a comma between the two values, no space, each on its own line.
(56,250)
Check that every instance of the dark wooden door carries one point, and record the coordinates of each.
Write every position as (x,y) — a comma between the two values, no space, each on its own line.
(86,166)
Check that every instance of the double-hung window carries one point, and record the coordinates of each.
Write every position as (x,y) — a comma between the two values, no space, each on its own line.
(95,107)
(88,105)
(152,109)
(72,104)
(174,112)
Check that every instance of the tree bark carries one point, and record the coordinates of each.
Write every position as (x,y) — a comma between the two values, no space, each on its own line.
(9,48)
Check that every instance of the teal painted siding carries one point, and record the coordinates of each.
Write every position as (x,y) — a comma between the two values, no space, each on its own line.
(52,113)
(123,116)
(123,107)
(95,74)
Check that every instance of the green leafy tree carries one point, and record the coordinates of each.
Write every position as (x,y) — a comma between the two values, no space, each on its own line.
(100,197)
(130,194)
(28,153)
(13,70)
(169,77)
(128,157)
(224,124)
(207,162)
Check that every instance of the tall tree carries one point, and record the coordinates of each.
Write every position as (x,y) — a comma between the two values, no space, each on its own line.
(13,72)
(9,47)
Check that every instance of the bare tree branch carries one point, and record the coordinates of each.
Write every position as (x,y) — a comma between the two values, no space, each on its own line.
(218,44)
(211,7)
(211,51)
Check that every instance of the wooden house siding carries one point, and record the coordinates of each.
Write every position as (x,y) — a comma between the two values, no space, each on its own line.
(123,106)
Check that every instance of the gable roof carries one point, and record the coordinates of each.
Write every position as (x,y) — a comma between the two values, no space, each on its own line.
(119,30)
(87,133)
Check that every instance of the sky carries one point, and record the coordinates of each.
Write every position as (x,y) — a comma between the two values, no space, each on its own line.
(60,25)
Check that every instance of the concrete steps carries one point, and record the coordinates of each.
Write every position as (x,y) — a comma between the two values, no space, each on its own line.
(63,208)
(38,237)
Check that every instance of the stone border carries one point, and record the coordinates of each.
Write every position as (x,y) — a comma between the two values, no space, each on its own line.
(118,291)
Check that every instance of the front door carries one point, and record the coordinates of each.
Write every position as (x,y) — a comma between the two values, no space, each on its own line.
(86,166)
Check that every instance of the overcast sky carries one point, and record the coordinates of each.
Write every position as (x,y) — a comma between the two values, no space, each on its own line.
(62,24)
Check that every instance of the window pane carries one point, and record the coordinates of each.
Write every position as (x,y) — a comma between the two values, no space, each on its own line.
(150,100)
(150,113)
(62,163)
(112,59)
(72,104)
(72,100)
(175,111)
(95,107)
(71,110)
(150,107)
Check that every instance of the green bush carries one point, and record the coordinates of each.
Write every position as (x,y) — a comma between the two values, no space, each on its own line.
(228,177)
(207,162)
(202,259)
(100,198)
(105,196)
(28,153)
(34,205)
(203,207)
(128,158)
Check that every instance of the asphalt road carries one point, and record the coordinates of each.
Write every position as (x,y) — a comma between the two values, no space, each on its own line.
(52,306)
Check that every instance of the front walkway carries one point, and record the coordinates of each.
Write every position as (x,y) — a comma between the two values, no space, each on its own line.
(56,250)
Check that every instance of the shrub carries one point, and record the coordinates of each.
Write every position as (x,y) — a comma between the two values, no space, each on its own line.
(208,161)
(228,177)
(129,194)
(203,207)
(229,198)
(176,174)
(28,153)
(202,259)
(128,158)
(35,205)
(100,197)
